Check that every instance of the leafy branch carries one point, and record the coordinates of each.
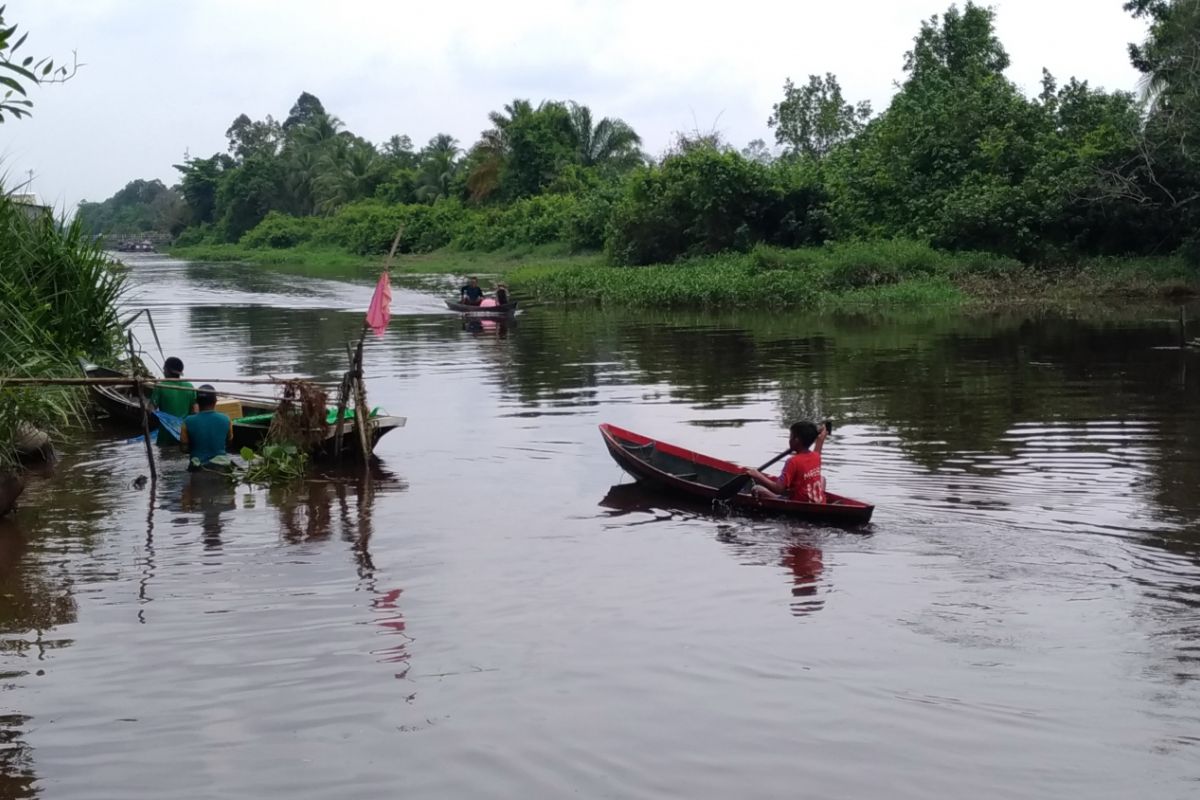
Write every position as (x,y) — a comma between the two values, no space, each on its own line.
(16,72)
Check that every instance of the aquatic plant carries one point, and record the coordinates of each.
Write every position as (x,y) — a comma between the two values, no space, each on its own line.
(272,465)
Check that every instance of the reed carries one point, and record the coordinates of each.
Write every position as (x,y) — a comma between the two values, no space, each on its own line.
(59,299)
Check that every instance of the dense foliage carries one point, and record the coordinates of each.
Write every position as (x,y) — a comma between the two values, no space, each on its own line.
(140,207)
(960,159)
(58,300)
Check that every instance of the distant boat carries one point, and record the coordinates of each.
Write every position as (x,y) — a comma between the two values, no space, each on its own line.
(469,308)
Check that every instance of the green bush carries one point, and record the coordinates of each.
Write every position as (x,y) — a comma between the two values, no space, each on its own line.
(707,201)
(369,227)
(279,231)
(195,235)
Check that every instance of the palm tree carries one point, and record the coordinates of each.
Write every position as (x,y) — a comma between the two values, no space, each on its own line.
(438,165)
(1170,57)
(349,172)
(611,142)
(303,167)
(323,129)
(495,137)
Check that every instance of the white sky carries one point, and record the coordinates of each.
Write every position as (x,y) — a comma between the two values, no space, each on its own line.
(162,77)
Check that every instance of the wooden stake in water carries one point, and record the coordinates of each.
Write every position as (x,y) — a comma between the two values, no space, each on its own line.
(137,385)
(343,398)
(361,414)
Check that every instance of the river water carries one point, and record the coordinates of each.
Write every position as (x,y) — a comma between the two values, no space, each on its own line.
(494,614)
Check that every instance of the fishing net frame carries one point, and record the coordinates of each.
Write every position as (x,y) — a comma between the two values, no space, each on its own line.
(300,417)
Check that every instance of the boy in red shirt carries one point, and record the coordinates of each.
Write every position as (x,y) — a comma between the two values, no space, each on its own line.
(801,479)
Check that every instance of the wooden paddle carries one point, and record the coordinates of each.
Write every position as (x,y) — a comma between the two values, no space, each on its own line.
(735,485)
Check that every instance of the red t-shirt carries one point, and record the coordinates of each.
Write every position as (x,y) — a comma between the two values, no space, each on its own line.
(802,479)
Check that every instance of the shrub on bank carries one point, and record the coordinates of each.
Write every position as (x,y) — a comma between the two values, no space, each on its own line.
(368,227)
(707,201)
(279,231)
(899,271)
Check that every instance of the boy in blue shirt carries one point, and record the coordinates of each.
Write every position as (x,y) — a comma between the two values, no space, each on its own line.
(472,295)
(204,435)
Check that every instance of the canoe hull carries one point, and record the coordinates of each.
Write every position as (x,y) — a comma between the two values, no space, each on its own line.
(122,409)
(467,308)
(684,472)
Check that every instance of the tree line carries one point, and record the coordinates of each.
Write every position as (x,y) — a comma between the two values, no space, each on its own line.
(961,159)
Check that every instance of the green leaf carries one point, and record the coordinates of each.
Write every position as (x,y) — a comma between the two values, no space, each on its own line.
(9,82)
(247,454)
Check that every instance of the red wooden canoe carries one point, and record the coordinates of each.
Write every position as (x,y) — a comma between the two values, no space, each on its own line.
(685,472)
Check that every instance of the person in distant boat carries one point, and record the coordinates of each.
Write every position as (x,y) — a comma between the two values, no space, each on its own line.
(173,396)
(471,294)
(501,294)
(801,479)
(205,434)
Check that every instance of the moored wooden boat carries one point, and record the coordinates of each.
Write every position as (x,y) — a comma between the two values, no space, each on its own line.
(249,430)
(467,308)
(675,469)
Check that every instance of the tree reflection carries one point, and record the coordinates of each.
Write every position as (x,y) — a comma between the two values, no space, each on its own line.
(309,515)
(34,600)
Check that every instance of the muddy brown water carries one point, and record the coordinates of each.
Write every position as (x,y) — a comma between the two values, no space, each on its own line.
(492,613)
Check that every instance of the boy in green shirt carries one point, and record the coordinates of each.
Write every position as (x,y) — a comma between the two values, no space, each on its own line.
(173,396)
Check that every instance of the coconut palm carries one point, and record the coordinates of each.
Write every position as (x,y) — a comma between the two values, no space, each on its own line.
(438,164)
(1170,57)
(350,170)
(610,142)
(323,129)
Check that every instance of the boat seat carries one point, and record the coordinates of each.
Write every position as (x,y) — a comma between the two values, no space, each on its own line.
(687,476)
(647,448)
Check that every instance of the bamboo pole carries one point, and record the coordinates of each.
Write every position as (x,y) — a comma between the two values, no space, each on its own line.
(343,398)
(129,381)
(361,414)
(137,385)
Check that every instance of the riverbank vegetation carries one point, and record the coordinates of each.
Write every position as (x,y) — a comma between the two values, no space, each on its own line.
(849,275)
(58,291)
(961,161)
(58,299)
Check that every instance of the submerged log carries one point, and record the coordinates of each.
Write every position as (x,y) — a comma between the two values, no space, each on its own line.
(11,486)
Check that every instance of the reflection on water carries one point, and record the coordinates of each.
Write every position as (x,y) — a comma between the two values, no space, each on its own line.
(1020,620)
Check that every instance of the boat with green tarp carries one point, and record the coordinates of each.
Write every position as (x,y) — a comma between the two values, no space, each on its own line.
(251,420)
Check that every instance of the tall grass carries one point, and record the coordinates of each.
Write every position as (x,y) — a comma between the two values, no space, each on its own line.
(56,279)
(28,350)
(896,273)
(871,273)
(59,299)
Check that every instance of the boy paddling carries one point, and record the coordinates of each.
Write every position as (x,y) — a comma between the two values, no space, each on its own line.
(801,479)
(471,294)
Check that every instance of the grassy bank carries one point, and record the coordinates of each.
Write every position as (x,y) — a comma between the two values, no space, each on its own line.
(896,273)
(882,273)
(314,259)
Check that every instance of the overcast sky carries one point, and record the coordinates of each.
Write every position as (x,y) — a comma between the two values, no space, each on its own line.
(162,78)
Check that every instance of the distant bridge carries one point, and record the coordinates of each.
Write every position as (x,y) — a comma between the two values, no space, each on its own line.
(133,241)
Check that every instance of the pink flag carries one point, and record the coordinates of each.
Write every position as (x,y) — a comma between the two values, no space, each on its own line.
(379,313)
